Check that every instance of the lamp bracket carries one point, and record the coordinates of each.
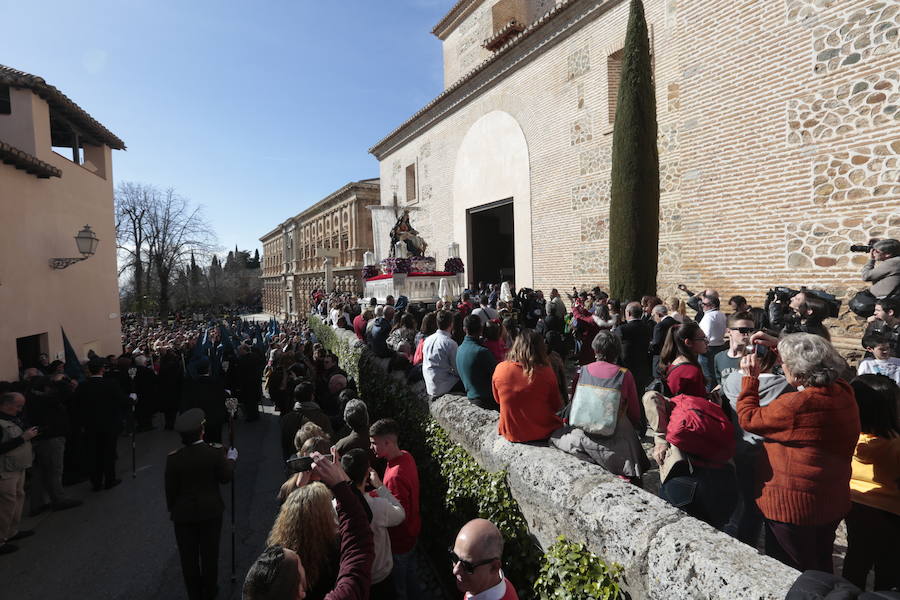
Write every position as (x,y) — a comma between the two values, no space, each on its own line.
(62,263)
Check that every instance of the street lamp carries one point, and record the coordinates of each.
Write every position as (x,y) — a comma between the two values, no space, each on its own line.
(86,241)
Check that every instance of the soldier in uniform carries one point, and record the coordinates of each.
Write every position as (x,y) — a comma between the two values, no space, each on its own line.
(193,476)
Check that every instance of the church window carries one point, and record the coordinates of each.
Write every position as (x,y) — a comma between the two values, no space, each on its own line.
(613,79)
(411,183)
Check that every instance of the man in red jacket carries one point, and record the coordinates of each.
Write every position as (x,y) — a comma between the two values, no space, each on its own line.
(402,478)
(477,557)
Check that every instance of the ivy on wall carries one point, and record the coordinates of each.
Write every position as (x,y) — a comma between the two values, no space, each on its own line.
(455,489)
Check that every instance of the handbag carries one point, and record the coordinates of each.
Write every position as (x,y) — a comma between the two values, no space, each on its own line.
(597,402)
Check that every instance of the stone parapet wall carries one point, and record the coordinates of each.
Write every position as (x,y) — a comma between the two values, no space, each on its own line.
(665,554)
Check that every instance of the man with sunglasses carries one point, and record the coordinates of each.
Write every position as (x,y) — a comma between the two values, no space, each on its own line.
(740,327)
(714,325)
(476,558)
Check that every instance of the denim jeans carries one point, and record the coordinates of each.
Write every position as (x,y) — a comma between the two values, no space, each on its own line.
(406,576)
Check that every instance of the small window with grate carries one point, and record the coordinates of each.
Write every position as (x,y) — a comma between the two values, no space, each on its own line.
(613,79)
(411,183)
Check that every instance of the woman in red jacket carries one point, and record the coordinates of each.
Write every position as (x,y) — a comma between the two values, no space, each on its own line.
(526,389)
(809,436)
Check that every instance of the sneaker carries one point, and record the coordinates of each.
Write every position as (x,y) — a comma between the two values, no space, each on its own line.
(66,504)
(23,533)
(8,548)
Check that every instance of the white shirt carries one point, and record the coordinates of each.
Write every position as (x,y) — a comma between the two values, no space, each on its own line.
(386,512)
(492,593)
(439,363)
(889,367)
(486,313)
(714,323)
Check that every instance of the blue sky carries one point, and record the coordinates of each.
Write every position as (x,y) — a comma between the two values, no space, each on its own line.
(255,113)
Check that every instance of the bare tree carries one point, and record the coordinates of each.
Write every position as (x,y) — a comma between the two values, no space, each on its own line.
(133,202)
(175,228)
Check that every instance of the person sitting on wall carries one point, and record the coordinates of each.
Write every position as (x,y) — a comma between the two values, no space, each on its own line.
(526,389)
(439,358)
(477,560)
(885,322)
(475,365)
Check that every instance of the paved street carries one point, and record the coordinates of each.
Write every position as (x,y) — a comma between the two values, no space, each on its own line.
(120,543)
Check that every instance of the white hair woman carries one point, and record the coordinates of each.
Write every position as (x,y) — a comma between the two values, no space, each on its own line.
(809,436)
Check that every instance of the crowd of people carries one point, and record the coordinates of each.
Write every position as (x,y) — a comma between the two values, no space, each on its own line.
(757,424)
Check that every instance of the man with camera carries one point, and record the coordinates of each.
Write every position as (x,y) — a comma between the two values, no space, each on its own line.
(882,270)
(800,312)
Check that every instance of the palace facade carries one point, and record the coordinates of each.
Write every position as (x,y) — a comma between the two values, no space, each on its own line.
(293,259)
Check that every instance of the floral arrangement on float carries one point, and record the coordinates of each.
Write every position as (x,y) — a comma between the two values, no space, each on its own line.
(422,264)
(454,265)
(370,271)
(396,265)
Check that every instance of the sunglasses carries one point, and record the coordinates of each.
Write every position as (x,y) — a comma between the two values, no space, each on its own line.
(467,566)
(743,330)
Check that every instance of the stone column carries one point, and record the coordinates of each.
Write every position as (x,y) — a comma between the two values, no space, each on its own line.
(328,283)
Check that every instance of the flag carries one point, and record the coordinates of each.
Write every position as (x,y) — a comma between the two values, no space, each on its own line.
(73,365)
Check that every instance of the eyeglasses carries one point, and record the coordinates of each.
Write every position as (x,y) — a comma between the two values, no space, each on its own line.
(703,339)
(467,566)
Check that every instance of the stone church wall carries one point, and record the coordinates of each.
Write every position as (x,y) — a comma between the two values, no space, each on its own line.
(778,129)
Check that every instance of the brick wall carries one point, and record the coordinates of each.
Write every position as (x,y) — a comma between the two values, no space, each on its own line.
(778,129)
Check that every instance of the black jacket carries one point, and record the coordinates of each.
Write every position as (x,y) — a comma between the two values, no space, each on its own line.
(635,336)
(659,334)
(207,393)
(193,476)
(102,404)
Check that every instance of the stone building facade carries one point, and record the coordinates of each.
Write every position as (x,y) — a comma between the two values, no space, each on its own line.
(779,123)
(294,252)
(55,177)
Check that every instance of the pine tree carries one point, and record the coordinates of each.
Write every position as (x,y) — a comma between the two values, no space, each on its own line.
(634,194)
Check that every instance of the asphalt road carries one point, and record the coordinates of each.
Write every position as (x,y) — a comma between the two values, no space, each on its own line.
(120,544)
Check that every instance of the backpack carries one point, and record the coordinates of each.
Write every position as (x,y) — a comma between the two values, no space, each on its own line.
(660,383)
(597,402)
(701,428)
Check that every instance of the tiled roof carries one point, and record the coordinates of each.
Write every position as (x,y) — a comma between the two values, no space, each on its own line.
(455,11)
(59,101)
(502,51)
(28,163)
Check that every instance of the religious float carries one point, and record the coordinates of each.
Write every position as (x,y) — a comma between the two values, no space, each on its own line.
(407,271)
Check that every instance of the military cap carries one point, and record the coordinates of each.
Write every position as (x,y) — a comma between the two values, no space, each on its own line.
(191,420)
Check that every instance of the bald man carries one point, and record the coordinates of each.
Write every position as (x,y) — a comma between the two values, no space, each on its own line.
(477,557)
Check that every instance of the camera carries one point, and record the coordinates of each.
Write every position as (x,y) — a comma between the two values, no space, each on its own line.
(864,247)
(299,464)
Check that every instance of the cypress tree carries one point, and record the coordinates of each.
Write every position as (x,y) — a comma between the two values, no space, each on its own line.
(634,194)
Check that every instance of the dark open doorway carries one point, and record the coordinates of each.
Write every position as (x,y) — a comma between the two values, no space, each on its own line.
(492,242)
(30,348)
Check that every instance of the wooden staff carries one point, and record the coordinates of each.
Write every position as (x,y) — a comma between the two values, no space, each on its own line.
(132,373)
(231,404)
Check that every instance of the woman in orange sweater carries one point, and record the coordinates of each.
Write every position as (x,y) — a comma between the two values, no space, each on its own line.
(809,440)
(526,389)
(873,524)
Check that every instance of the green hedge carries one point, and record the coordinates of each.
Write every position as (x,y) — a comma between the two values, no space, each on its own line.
(455,489)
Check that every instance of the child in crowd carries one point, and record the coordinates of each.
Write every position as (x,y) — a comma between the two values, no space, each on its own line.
(882,361)
(873,523)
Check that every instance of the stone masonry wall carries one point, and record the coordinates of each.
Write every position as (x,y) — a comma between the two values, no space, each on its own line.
(778,123)
(666,554)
